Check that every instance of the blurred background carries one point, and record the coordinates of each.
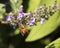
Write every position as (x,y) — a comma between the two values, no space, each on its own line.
(10,38)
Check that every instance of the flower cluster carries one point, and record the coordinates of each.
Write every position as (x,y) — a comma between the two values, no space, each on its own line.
(40,14)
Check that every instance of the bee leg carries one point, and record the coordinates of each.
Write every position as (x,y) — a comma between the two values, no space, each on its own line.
(22,34)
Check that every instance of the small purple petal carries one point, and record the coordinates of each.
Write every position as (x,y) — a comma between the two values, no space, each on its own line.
(14,26)
(20,15)
(9,18)
(42,21)
(26,14)
(32,21)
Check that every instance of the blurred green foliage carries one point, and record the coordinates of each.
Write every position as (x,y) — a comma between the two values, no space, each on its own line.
(2,10)
(55,44)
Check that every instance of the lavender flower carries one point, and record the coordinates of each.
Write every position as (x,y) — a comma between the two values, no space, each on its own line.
(20,15)
(14,26)
(26,14)
(42,20)
(9,18)
(32,21)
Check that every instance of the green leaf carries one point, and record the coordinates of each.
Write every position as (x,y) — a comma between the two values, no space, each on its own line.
(2,10)
(12,3)
(17,31)
(58,1)
(55,44)
(1,16)
(47,28)
(36,3)
(47,2)
(33,4)
(19,2)
(13,6)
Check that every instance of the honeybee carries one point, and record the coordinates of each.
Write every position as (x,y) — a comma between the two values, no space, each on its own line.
(23,29)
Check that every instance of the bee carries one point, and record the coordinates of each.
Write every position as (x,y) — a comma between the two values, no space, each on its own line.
(23,29)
